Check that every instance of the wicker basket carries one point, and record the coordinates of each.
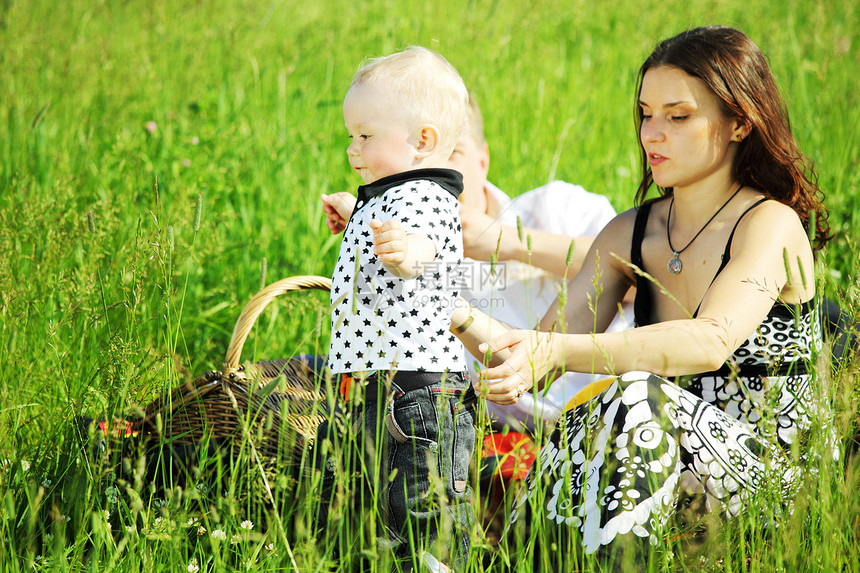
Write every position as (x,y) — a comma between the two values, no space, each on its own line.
(273,407)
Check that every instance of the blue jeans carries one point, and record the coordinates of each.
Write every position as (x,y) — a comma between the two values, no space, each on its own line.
(411,447)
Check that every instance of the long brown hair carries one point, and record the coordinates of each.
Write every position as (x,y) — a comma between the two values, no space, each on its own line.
(768,159)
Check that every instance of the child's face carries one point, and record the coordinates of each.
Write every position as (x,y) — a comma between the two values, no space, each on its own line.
(382,144)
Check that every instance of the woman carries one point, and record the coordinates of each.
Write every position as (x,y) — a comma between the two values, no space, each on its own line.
(723,266)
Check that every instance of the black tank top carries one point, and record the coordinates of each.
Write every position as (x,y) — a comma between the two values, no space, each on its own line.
(643,304)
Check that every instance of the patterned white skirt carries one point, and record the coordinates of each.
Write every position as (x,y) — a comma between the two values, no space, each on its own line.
(618,464)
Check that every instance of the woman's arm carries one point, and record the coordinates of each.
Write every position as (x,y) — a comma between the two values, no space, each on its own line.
(474,327)
(733,307)
(600,288)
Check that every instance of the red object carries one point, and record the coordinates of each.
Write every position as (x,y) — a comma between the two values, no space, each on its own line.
(120,429)
(514,454)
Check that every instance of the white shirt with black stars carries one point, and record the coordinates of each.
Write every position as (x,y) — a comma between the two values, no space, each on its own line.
(381,321)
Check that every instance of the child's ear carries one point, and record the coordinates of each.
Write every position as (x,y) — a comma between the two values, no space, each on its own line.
(427,140)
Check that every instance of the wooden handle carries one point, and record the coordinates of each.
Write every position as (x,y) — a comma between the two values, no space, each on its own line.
(256,305)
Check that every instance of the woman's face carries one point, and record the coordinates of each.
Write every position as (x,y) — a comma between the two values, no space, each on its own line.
(685,133)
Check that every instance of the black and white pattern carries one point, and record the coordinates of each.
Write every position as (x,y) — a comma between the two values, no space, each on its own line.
(618,464)
(380,321)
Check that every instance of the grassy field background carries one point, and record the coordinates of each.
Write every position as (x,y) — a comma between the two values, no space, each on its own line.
(161,160)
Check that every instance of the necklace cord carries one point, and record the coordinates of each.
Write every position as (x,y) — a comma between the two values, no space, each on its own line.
(669,221)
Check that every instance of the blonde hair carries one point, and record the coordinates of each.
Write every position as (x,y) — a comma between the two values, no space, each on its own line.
(475,123)
(426,88)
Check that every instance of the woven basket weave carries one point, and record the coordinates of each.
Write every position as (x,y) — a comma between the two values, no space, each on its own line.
(274,405)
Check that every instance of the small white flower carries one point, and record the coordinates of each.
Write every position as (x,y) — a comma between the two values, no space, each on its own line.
(106,514)
(235,539)
(192,521)
(219,534)
(247,524)
(25,465)
(46,482)
(65,518)
(130,529)
(112,494)
(192,566)
(158,502)
(195,140)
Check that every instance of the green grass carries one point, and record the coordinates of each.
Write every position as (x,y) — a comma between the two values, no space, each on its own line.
(246,103)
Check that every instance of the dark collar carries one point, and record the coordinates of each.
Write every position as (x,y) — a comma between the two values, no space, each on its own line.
(450,180)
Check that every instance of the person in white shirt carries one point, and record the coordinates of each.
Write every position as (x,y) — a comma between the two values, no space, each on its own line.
(531,238)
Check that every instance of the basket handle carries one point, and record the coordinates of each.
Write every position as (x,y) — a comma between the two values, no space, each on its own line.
(259,302)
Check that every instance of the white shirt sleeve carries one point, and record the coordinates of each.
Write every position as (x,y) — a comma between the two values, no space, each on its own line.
(563,208)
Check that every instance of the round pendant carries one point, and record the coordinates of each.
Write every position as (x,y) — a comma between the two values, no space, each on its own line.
(674,265)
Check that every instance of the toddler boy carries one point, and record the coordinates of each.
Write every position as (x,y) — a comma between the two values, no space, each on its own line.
(399,370)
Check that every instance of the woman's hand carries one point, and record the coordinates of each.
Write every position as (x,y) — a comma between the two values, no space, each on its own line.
(536,358)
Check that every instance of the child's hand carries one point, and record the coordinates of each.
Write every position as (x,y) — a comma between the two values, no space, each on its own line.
(390,242)
(338,208)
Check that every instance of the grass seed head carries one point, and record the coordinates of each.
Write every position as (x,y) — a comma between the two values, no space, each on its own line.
(198,212)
